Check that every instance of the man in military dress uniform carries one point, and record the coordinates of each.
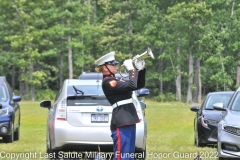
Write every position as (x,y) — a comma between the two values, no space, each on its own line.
(119,94)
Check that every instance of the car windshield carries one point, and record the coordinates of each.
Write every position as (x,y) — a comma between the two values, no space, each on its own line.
(236,103)
(216,98)
(3,95)
(93,96)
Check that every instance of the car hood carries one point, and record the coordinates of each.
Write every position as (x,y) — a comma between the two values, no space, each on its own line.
(4,104)
(212,114)
(233,118)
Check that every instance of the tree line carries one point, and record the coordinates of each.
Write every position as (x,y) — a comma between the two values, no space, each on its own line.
(195,43)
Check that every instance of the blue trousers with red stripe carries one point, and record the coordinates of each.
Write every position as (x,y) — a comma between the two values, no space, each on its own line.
(124,142)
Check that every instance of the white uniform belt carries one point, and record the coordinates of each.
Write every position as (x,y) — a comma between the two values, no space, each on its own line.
(119,103)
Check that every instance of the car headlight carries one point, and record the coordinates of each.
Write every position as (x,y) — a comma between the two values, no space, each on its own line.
(232,129)
(205,122)
(4,111)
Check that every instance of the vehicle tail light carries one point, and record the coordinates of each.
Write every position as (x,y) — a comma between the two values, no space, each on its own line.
(138,108)
(139,114)
(61,110)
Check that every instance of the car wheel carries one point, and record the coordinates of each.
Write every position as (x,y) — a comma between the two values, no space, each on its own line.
(9,138)
(221,158)
(141,154)
(17,134)
(197,142)
(53,154)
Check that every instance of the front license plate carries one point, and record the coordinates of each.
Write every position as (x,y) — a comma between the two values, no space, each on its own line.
(99,118)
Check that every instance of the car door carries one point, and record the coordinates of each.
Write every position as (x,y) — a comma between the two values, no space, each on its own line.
(15,106)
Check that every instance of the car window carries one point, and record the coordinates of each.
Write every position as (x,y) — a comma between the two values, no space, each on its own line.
(9,89)
(88,101)
(224,98)
(3,94)
(236,103)
(86,89)
(59,92)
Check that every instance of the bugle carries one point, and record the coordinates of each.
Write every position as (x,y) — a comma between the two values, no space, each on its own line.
(138,58)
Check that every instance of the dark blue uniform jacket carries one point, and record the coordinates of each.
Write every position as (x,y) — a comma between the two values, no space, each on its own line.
(116,90)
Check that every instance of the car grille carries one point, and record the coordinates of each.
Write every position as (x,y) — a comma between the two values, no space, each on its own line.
(232,130)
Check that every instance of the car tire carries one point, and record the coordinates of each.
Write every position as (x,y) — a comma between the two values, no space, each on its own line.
(9,138)
(53,154)
(17,134)
(143,154)
(197,142)
(222,158)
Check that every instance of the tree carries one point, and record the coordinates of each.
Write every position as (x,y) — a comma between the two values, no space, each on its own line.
(185,16)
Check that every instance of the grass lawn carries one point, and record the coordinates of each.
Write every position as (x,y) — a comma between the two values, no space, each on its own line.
(170,133)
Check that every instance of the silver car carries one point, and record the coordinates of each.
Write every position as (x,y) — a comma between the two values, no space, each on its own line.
(228,145)
(79,119)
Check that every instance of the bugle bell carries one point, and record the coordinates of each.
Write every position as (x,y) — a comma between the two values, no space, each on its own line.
(136,60)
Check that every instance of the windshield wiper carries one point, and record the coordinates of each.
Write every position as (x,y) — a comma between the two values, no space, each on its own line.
(78,91)
(209,109)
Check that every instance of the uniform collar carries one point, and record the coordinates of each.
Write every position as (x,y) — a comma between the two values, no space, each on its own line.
(108,75)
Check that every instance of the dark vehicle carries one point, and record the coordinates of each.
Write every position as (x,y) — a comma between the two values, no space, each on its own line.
(9,113)
(228,141)
(207,119)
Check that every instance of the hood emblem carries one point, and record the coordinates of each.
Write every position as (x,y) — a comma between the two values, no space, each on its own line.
(99,109)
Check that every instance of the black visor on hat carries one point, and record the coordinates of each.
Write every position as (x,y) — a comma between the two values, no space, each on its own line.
(112,62)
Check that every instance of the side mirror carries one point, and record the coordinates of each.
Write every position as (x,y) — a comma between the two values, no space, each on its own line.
(143,92)
(219,106)
(16,98)
(45,104)
(194,108)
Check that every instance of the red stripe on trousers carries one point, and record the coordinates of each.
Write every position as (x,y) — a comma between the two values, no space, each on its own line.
(118,144)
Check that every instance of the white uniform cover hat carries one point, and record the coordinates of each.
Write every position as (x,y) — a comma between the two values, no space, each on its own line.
(106,59)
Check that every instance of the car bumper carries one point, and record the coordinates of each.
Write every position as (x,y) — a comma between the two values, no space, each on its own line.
(208,135)
(5,128)
(141,135)
(66,137)
(230,140)
(68,134)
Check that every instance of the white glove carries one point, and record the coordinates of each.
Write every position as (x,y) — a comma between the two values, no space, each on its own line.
(139,64)
(128,64)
